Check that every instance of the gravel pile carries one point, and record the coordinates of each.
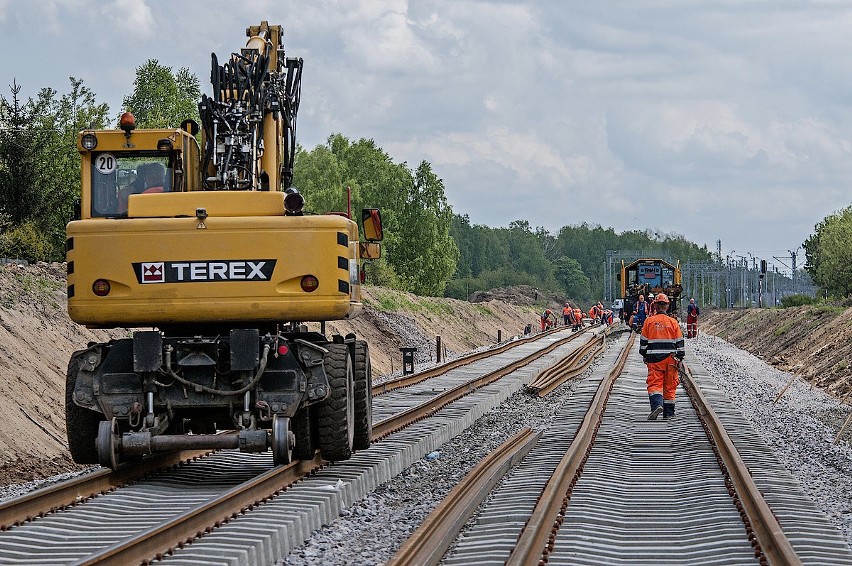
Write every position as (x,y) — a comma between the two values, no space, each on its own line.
(800,427)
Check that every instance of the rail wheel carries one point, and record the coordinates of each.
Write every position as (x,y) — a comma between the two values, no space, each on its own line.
(304,447)
(108,444)
(363,396)
(282,440)
(336,415)
(81,424)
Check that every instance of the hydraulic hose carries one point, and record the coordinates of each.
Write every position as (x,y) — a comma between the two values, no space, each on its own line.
(261,368)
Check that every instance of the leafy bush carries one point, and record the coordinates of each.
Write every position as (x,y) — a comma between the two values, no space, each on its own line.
(381,273)
(796,301)
(26,241)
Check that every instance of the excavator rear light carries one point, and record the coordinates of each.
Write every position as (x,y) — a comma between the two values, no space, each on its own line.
(282,350)
(165,144)
(309,283)
(294,202)
(89,141)
(100,287)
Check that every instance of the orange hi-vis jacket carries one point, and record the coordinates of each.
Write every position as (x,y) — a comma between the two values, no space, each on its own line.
(661,338)
(578,315)
(567,311)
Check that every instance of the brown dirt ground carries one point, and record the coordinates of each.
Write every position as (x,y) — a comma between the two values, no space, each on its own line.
(37,338)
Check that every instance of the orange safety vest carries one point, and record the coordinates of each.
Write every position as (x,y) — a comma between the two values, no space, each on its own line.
(661,337)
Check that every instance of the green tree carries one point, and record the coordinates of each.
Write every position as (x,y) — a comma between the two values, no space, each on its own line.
(425,254)
(570,276)
(418,251)
(40,164)
(829,253)
(161,98)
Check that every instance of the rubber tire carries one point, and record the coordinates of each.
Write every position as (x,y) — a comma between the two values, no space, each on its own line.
(336,414)
(363,396)
(81,424)
(301,425)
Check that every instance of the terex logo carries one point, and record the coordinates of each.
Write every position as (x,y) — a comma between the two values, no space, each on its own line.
(204,271)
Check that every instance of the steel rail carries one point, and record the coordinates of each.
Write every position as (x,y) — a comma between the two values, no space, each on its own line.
(434,404)
(182,529)
(46,500)
(415,378)
(52,498)
(769,537)
(537,537)
(157,541)
(431,540)
(567,368)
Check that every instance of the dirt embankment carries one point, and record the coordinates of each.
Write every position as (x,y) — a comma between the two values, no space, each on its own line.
(37,338)
(814,342)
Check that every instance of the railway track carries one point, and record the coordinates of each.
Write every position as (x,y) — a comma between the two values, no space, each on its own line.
(149,516)
(646,492)
(610,487)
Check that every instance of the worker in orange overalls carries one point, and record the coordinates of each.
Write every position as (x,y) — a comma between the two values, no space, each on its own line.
(662,348)
(567,311)
(692,313)
(578,318)
(548,319)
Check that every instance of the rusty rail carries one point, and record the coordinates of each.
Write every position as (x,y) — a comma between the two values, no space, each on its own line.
(61,495)
(538,533)
(434,404)
(755,511)
(412,379)
(158,541)
(568,367)
(435,535)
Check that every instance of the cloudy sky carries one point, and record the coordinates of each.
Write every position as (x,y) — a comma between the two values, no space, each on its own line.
(714,120)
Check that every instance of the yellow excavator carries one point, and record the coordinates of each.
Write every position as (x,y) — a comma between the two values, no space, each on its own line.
(208,252)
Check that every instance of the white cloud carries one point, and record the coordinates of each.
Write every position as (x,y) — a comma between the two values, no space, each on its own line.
(133,17)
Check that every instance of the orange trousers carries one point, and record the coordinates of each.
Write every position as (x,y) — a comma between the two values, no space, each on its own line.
(663,378)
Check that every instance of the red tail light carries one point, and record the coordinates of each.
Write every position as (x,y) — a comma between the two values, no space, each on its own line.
(309,283)
(100,287)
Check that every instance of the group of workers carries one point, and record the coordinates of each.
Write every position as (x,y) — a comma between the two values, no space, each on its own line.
(574,317)
(661,344)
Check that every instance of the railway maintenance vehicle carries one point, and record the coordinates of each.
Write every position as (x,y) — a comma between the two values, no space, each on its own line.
(646,276)
(206,251)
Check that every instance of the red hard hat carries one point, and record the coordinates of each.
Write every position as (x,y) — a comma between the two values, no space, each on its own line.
(661,298)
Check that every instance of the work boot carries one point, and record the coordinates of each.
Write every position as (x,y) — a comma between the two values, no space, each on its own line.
(668,410)
(656,401)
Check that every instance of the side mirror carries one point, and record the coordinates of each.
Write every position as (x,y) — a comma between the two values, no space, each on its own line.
(370,250)
(371,218)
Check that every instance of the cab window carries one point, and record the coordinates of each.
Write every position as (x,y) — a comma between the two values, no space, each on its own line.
(116,176)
